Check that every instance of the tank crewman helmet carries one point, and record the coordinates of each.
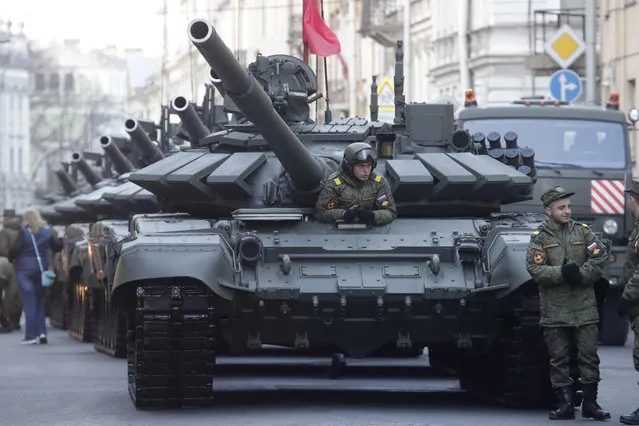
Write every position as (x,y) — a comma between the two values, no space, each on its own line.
(358,153)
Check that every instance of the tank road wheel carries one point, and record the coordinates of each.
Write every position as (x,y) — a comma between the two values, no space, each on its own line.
(111,328)
(515,372)
(171,345)
(80,319)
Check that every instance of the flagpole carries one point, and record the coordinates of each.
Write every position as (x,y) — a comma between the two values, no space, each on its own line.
(328,116)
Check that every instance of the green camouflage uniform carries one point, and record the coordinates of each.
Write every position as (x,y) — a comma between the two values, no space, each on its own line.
(631,280)
(12,301)
(567,309)
(342,191)
(7,287)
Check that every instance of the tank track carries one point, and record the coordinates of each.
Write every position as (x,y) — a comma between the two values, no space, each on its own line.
(171,346)
(110,330)
(516,371)
(80,317)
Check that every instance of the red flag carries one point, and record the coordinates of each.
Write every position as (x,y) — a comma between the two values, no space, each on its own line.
(320,39)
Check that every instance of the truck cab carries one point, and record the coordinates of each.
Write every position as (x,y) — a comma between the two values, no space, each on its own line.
(582,147)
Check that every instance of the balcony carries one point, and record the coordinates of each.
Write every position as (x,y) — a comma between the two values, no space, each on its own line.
(382,20)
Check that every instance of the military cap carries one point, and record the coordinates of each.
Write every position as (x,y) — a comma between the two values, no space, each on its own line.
(632,187)
(9,213)
(553,194)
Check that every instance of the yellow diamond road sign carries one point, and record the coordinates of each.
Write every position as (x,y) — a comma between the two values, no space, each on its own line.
(565,46)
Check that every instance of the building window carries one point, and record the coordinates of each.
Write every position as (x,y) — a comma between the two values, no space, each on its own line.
(54,81)
(39,82)
(11,160)
(20,159)
(69,82)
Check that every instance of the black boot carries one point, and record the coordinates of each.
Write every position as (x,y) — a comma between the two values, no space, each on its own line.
(630,419)
(565,407)
(589,407)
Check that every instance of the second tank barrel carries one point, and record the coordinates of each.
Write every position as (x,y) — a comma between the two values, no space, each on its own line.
(191,121)
(305,172)
(81,163)
(140,137)
(120,162)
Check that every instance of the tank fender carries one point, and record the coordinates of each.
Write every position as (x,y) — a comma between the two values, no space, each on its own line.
(206,258)
(505,258)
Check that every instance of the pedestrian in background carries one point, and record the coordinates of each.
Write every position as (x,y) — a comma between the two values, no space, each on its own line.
(30,257)
(11,301)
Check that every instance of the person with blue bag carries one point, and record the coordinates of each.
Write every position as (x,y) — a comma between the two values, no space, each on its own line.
(30,257)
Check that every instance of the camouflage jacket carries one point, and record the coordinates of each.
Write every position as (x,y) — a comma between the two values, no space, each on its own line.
(6,274)
(631,272)
(8,235)
(562,304)
(341,192)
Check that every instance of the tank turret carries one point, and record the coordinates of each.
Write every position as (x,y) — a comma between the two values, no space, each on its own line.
(120,162)
(138,135)
(83,166)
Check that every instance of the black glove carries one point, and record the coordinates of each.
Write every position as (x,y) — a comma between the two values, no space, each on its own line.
(571,274)
(349,215)
(623,307)
(366,216)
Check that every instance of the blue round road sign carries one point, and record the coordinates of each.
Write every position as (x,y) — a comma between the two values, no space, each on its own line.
(565,85)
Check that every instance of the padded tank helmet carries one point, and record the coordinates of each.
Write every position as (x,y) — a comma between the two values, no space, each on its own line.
(358,153)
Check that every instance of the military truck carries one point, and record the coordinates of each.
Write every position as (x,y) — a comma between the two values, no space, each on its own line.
(587,150)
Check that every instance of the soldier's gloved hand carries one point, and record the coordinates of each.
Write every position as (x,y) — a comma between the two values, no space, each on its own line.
(366,216)
(571,274)
(623,307)
(350,214)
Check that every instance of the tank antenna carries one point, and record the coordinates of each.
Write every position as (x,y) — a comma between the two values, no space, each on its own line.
(399,84)
(374,101)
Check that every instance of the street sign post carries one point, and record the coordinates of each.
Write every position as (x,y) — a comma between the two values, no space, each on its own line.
(565,85)
(565,46)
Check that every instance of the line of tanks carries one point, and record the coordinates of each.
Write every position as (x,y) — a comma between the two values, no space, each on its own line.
(214,249)
(95,211)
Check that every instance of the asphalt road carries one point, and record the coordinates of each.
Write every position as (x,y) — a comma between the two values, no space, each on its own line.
(68,383)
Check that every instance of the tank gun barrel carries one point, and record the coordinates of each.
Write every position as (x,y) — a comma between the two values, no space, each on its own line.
(192,122)
(67,183)
(144,142)
(120,162)
(305,172)
(81,163)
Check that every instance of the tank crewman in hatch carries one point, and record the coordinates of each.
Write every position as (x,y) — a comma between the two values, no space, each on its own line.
(356,192)
(629,301)
(565,258)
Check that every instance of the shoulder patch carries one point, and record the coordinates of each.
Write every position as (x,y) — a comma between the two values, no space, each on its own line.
(536,232)
(337,181)
(378,178)
(585,226)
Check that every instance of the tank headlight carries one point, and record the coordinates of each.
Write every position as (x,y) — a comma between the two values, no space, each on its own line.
(610,227)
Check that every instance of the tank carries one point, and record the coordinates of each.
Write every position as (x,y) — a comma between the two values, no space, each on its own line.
(242,263)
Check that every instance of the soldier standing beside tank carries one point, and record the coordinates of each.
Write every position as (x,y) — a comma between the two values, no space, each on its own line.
(629,302)
(12,302)
(565,258)
(356,192)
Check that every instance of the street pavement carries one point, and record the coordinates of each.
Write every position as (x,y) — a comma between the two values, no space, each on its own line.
(69,383)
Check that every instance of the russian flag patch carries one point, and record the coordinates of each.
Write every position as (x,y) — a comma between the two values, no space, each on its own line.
(594,249)
(382,198)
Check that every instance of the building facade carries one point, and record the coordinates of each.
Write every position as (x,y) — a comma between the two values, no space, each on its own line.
(15,144)
(248,27)
(619,66)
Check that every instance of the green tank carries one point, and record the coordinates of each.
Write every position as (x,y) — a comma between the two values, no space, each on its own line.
(237,261)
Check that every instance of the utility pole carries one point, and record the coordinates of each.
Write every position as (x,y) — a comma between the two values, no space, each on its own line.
(591,59)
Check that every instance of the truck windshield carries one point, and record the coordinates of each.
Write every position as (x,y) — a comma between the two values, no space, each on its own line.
(590,144)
